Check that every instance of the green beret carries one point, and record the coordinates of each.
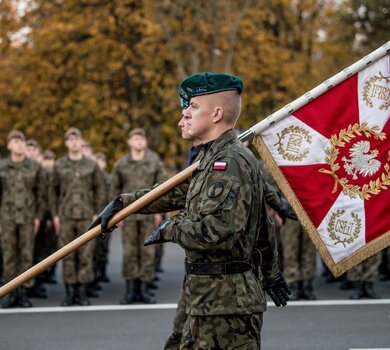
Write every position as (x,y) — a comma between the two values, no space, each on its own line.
(205,84)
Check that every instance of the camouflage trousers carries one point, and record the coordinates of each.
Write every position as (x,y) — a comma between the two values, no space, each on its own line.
(299,254)
(174,340)
(366,271)
(18,248)
(100,255)
(224,332)
(78,265)
(138,260)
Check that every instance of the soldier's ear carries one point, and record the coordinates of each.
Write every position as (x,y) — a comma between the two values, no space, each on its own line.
(217,114)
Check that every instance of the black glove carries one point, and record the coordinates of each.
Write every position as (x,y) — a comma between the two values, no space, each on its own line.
(106,215)
(158,235)
(276,287)
(286,211)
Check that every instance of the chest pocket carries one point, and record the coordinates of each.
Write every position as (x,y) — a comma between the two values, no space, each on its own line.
(29,178)
(217,196)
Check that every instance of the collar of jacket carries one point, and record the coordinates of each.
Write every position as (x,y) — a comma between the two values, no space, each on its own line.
(12,164)
(71,161)
(217,144)
(145,157)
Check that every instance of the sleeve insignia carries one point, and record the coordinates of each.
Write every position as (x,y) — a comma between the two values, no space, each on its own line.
(215,190)
(220,166)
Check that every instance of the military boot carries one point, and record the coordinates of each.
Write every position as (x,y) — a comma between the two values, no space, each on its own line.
(10,301)
(82,295)
(129,296)
(307,291)
(37,290)
(69,295)
(137,290)
(369,291)
(23,298)
(145,296)
(358,291)
(294,291)
(92,289)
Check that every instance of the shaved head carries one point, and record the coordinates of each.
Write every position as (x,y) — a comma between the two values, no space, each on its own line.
(230,102)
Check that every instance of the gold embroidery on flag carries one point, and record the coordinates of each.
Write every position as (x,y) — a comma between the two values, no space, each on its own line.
(291,141)
(344,231)
(375,88)
(345,136)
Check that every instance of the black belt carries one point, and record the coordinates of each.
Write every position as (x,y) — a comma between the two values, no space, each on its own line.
(217,268)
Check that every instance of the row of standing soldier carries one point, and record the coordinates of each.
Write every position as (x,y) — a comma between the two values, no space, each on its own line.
(58,200)
(140,168)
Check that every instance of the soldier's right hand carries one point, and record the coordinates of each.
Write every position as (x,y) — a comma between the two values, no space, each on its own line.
(106,215)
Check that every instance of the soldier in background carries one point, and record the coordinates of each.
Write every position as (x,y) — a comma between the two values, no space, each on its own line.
(140,168)
(51,239)
(299,256)
(38,290)
(34,150)
(78,193)
(363,276)
(21,203)
(102,245)
(87,150)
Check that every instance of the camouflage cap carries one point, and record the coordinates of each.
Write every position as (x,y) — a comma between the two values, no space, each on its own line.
(15,134)
(101,156)
(32,143)
(205,84)
(72,131)
(137,131)
(48,154)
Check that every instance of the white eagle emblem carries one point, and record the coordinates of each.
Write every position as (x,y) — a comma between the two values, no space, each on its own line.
(361,161)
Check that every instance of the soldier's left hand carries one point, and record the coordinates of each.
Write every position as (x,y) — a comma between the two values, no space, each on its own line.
(106,215)
(286,211)
(158,236)
(276,287)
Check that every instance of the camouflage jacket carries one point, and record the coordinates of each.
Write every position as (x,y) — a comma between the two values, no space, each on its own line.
(21,191)
(224,220)
(78,190)
(130,175)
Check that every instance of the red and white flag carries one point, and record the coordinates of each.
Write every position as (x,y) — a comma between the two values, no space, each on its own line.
(331,158)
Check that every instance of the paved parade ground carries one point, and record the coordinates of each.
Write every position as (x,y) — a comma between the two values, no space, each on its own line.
(332,322)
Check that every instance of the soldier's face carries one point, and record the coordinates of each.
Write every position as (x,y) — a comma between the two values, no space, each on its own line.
(48,163)
(32,152)
(198,117)
(137,142)
(184,128)
(74,143)
(17,146)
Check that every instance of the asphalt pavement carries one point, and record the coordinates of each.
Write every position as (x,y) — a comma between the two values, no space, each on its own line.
(331,322)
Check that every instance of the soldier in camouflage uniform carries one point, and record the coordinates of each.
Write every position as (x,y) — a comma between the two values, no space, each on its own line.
(38,290)
(34,150)
(51,241)
(102,245)
(299,260)
(78,193)
(223,225)
(140,168)
(363,276)
(21,205)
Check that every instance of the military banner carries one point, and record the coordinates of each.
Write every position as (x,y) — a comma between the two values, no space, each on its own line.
(331,158)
